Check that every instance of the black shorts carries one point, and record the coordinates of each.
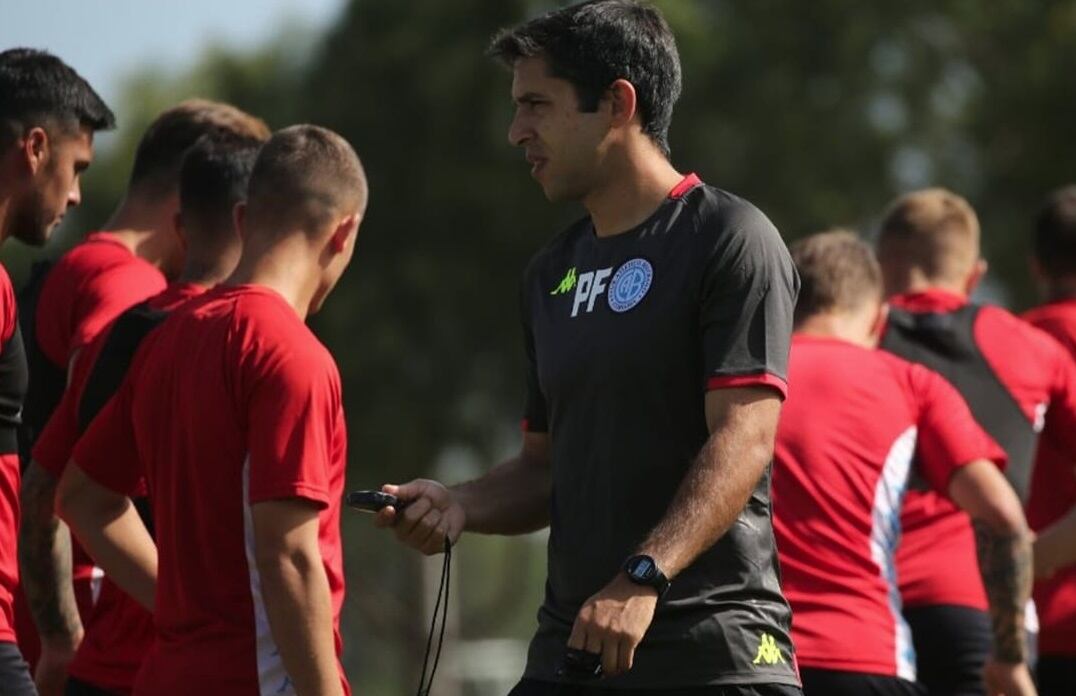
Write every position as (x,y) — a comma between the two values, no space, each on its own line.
(533,687)
(952,644)
(77,687)
(1056,676)
(15,677)
(831,682)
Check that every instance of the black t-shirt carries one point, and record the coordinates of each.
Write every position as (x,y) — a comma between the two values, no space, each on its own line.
(624,335)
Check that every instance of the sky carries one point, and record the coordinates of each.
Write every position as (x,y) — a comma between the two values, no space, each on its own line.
(105,39)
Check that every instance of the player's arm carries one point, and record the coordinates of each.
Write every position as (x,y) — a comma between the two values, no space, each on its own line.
(1004,545)
(713,493)
(512,498)
(45,574)
(108,526)
(296,592)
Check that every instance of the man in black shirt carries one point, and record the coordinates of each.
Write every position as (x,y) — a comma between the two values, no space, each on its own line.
(657,334)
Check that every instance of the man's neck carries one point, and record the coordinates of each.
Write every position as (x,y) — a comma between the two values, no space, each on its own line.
(136,224)
(637,182)
(916,286)
(286,267)
(850,328)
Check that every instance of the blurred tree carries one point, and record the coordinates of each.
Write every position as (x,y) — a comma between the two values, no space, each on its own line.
(818,112)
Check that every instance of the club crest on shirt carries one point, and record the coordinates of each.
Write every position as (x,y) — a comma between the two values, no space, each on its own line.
(630,284)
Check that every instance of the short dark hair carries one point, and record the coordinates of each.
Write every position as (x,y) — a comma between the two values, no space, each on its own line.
(160,152)
(37,89)
(213,179)
(1055,233)
(593,44)
(838,272)
(304,176)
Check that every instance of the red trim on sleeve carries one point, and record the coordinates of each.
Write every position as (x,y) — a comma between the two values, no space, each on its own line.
(762,379)
(689,182)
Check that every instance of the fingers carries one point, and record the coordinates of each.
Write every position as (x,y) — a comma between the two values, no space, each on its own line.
(625,655)
(578,638)
(610,657)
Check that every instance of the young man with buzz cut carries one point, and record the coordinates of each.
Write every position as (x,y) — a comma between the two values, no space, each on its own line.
(231,418)
(64,307)
(858,424)
(213,180)
(48,116)
(1051,507)
(928,247)
(657,331)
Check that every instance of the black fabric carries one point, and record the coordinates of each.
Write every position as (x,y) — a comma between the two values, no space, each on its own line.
(14,377)
(46,380)
(77,687)
(1056,676)
(952,644)
(945,342)
(532,687)
(703,289)
(827,682)
(108,372)
(15,677)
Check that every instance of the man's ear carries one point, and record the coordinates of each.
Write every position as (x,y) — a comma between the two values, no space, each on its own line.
(345,232)
(624,101)
(35,147)
(239,217)
(177,227)
(978,272)
(881,318)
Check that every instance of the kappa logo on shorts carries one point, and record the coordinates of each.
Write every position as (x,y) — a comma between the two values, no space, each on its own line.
(624,290)
(768,652)
(630,284)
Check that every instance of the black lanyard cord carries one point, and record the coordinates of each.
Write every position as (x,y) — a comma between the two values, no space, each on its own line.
(442,608)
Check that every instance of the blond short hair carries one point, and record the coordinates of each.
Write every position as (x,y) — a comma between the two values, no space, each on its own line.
(933,231)
(838,273)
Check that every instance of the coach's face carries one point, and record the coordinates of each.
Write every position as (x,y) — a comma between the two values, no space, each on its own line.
(561,143)
(54,164)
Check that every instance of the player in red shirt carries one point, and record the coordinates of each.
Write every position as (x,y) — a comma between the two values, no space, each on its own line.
(48,116)
(232,413)
(856,423)
(213,180)
(1051,508)
(929,252)
(81,294)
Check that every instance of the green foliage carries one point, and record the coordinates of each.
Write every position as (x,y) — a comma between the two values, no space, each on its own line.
(818,112)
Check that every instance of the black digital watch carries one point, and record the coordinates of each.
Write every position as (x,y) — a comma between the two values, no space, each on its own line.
(642,570)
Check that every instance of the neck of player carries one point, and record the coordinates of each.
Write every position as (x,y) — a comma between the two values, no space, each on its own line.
(142,224)
(289,266)
(633,183)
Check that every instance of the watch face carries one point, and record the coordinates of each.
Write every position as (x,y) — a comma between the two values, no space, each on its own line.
(642,568)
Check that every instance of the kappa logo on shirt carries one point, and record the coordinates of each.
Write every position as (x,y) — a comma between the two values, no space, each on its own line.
(768,652)
(626,289)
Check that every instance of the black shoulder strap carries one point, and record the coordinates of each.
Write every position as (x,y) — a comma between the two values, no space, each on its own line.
(111,365)
(945,342)
(47,381)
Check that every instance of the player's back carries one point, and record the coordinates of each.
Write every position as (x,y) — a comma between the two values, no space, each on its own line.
(218,370)
(854,422)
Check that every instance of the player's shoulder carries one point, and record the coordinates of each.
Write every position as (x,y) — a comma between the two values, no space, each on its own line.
(718,213)
(1022,335)
(266,327)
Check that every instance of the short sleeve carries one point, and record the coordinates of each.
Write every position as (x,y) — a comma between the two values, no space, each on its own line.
(535,418)
(948,435)
(107,452)
(1060,420)
(749,290)
(294,412)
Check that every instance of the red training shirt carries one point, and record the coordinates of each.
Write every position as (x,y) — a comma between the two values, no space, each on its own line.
(12,390)
(118,631)
(232,401)
(1053,493)
(937,561)
(853,424)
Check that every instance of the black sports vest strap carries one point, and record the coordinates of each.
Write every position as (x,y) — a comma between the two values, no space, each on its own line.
(47,381)
(108,372)
(945,342)
(13,381)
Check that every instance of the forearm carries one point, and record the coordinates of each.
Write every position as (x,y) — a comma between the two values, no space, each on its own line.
(45,562)
(299,606)
(1005,563)
(709,500)
(512,498)
(1055,546)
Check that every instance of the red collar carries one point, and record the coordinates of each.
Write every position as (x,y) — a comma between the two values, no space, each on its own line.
(689,182)
(931,300)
